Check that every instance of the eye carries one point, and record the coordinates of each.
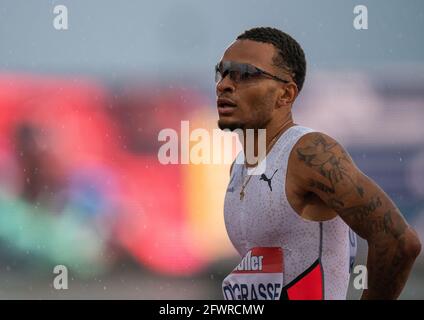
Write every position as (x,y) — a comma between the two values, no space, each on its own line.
(234,75)
(245,75)
(250,74)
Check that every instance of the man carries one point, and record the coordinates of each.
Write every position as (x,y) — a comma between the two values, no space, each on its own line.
(291,223)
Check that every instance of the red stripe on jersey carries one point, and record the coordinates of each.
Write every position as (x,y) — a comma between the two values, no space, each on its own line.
(308,286)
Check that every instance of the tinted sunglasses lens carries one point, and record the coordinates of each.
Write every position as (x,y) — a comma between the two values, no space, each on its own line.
(249,72)
(221,71)
(242,71)
(218,75)
(237,71)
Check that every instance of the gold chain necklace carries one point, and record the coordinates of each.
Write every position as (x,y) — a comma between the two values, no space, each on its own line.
(245,185)
(242,193)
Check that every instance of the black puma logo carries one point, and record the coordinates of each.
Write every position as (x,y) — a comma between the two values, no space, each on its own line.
(265,178)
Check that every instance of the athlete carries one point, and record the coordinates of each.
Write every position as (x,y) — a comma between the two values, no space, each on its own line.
(292,223)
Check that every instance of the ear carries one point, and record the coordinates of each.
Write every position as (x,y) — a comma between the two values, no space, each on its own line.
(287,94)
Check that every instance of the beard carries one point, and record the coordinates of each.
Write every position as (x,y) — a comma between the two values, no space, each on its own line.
(260,124)
(230,126)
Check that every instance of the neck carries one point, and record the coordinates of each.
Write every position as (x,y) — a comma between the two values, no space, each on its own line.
(273,132)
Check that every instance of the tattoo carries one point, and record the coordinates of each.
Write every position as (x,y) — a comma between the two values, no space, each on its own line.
(381,251)
(336,204)
(322,187)
(320,155)
(375,219)
(399,255)
(387,225)
(388,267)
(382,224)
(362,212)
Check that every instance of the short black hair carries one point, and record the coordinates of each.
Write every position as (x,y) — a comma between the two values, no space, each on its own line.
(290,54)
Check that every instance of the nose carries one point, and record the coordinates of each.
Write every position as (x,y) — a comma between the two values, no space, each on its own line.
(225,85)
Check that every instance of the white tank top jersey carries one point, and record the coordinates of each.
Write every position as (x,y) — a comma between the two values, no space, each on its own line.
(317,256)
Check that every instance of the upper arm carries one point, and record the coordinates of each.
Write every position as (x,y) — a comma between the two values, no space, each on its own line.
(324,168)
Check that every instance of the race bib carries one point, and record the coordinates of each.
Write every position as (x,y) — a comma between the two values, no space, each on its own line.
(259,276)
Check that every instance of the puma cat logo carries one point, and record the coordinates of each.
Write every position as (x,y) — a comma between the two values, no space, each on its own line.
(265,178)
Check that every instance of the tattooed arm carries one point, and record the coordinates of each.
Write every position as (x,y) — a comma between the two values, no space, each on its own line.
(325,169)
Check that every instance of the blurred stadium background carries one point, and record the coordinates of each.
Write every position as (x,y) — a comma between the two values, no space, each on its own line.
(81,109)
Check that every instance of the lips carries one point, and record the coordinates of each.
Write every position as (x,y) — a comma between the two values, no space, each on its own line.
(224,102)
(225,106)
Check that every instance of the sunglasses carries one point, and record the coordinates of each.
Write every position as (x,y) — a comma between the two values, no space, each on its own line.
(239,72)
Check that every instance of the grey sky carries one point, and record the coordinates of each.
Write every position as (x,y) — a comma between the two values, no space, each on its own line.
(170,37)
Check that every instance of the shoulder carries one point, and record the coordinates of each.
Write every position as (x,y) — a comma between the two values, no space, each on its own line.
(317,154)
(314,147)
